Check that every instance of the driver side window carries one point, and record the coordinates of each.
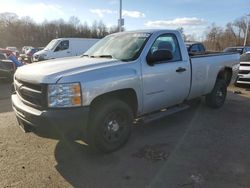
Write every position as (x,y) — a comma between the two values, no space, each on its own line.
(63,45)
(167,42)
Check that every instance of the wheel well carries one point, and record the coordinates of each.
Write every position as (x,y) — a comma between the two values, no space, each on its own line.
(225,74)
(126,95)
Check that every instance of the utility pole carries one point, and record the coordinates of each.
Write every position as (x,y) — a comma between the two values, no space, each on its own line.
(245,41)
(121,20)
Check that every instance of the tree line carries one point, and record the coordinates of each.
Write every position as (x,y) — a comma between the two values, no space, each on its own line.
(15,31)
(233,34)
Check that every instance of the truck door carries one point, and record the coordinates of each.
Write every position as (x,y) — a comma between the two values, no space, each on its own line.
(165,83)
(62,50)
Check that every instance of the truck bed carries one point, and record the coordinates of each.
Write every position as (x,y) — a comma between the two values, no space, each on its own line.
(205,69)
(208,53)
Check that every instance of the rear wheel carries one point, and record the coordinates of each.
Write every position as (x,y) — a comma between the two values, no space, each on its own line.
(110,125)
(217,97)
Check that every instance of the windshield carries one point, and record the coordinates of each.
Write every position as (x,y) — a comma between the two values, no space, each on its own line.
(122,46)
(51,45)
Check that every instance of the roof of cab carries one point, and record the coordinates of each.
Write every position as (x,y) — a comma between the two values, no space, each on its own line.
(150,31)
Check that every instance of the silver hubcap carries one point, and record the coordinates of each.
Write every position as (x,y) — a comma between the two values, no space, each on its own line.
(113,125)
(219,94)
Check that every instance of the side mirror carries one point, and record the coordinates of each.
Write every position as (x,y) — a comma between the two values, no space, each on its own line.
(159,55)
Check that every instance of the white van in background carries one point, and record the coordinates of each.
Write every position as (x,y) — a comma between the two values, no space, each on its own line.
(64,47)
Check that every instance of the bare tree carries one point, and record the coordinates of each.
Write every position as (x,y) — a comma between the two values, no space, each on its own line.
(24,31)
(218,38)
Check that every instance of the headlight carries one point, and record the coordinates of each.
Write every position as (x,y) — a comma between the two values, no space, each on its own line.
(64,95)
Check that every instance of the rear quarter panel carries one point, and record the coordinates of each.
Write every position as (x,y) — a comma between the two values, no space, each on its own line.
(206,68)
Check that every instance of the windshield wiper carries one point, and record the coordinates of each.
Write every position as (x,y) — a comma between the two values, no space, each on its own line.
(85,55)
(102,56)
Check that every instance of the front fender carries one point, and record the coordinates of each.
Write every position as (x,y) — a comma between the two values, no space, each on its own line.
(97,82)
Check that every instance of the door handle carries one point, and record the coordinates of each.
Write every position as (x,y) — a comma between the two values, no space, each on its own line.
(180,69)
(68,52)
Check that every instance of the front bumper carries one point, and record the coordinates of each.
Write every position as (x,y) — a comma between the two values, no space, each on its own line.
(243,79)
(244,75)
(52,123)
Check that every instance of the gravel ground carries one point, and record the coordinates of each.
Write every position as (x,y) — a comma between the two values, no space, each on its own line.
(199,147)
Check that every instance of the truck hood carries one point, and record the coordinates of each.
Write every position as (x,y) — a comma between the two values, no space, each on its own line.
(51,71)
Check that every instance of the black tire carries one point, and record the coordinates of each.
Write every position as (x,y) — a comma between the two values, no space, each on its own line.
(110,125)
(217,97)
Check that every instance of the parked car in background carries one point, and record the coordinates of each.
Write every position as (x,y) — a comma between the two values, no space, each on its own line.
(195,48)
(2,56)
(7,68)
(25,48)
(244,72)
(64,47)
(14,50)
(239,49)
(28,55)
(10,56)
(142,75)
(31,51)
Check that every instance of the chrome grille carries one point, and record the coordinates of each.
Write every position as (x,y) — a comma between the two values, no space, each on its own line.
(245,64)
(244,71)
(31,94)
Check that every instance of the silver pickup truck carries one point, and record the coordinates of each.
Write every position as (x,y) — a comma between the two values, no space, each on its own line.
(124,77)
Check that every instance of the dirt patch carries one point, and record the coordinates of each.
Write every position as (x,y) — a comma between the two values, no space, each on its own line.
(242,90)
(156,152)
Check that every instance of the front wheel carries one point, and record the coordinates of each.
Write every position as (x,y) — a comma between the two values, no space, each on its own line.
(110,125)
(217,97)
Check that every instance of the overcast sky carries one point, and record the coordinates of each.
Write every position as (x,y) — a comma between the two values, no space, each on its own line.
(193,15)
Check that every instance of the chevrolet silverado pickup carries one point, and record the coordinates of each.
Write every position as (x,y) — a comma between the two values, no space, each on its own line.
(128,76)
